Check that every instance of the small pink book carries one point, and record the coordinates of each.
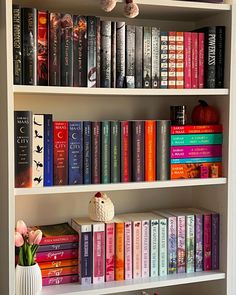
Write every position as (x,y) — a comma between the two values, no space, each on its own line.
(128,250)
(98,253)
(56,255)
(194,60)
(187,60)
(201,60)
(60,280)
(110,251)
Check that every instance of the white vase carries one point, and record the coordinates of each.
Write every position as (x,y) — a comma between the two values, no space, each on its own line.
(28,280)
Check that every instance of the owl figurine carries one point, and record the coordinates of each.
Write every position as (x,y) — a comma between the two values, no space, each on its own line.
(101,208)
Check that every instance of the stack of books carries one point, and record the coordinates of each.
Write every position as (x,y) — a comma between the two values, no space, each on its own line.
(196,151)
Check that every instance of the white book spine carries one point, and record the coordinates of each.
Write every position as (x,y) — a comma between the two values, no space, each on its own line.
(154,248)
(145,248)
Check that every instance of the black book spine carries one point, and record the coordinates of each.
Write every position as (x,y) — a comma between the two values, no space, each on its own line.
(92,52)
(139,57)
(147,57)
(120,54)
(66,50)
(220,56)
(29,44)
(138,131)
(130,56)
(98,49)
(17,57)
(155,58)
(106,54)
(113,54)
(210,58)
(55,49)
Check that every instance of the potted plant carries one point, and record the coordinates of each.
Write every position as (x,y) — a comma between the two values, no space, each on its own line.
(28,273)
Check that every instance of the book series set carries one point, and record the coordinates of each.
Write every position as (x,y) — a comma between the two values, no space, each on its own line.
(60,49)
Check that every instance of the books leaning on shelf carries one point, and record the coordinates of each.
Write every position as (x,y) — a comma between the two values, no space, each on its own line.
(61,49)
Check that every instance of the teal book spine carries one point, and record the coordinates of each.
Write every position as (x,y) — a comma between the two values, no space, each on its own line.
(106,160)
(196,139)
(115,151)
(163,247)
(190,240)
(154,247)
(196,160)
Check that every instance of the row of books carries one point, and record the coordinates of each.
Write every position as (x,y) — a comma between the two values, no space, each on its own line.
(71,50)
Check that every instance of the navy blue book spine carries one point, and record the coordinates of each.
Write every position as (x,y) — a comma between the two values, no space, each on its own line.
(86,255)
(48,150)
(87,152)
(76,152)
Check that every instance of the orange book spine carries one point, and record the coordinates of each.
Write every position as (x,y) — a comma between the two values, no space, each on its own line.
(120,255)
(59,263)
(150,150)
(179,60)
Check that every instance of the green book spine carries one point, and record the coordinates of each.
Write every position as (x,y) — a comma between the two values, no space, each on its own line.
(115,151)
(190,243)
(106,161)
(196,139)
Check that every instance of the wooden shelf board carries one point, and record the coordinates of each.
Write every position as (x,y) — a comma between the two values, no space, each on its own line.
(133,285)
(115,91)
(118,186)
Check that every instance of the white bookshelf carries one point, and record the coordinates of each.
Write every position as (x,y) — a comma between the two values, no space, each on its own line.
(57,204)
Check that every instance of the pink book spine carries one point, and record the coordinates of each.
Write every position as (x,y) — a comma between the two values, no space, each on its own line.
(137,248)
(56,255)
(201,60)
(194,60)
(207,242)
(98,253)
(197,151)
(60,280)
(128,251)
(110,252)
(145,248)
(187,61)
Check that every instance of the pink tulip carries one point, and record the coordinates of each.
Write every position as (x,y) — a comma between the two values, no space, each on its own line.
(35,237)
(21,227)
(19,241)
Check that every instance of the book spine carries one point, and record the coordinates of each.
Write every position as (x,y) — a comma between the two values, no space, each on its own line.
(187,60)
(147,57)
(42,47)
(110,252)
(145,248)
(207,258)
(196,139)
(92,52)
(130,56)
(120,54)
(119,261)
(106,54)
(60,151)
(55,49)
(58,272)
(79,51)
(98,253)
(196,129)
(156,57)
(210,58)
(87,153)
(172,243)
(29,44)
(59,239)
(48,150)
(138,57)
(113,54)
(128,250)
(125,151)
(17,45)
(38,151)
(201,54)
(60,280)
(138,150)
(163,247)
(195,160)
(190,239)
(115,151)
(179,60)
(56,247)
(164,60)
(75,152)
(150,150)
(181,253)
(98,52)
(95,153)
(220,56)
(194,66)
(172,60)
(137,249)
(163,149)
(196,151)
(106,156)
(56,255)
(23,148)
(66,50)
(58,264)
(199,242)
(154,248)
(215,240)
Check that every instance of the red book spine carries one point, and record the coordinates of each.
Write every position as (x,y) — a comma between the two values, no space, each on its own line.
(125,151)
(172,60)
(59,271)
(201,60)
(110,251)
(60,131)
(207,242)
(59,239)
(187,60)
(192,129)
(150,150)
(179,60)
(194,60)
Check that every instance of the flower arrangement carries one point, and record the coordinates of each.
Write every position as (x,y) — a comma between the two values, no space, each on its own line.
(28,241)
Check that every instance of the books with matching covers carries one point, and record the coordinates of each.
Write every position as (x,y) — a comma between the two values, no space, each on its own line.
(83,51)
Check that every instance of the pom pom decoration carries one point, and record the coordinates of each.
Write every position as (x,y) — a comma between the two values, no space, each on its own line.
(101,208)
(108,5)
(131,9)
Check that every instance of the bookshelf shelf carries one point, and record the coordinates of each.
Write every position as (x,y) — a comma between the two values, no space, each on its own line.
(119,186)
(125,286)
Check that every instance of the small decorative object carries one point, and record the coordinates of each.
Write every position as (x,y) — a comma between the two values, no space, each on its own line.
(178,115)
(108,5)
(101,208)
(131,9)
(28,273)
(204,114)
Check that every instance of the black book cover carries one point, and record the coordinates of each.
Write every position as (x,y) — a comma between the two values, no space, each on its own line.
(17,56)
(106,54)
(113,54)
(92,52)
(130,56)
(98,49)
(120,54)
(147,57)
(220,56)
(139,57)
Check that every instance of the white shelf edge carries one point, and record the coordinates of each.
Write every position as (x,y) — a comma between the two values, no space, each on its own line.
(133,285)
(115,91)
(118,186)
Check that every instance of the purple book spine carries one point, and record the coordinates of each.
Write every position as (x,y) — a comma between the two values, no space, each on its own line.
(215,240)
(181,252)
(96,147)
(172,245)
(138,150)
(60,280)
(57,247)
(196,151)
(199,242)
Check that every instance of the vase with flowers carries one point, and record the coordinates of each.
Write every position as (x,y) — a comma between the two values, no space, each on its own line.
(28,273)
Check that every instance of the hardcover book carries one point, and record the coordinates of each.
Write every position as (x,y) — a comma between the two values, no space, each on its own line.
(126,151)
(106,156)
(155,57)
(48,150)
(92,52)
(164,60)
(115,151)
(87,152)
(188,129)
(113,54)
(147,57)
(120,54)
(95,152)
(150,150)
(171,59)
(187,60)
(180,60)
(220,56)
(130,56)
(196,139)
(17,45)
(106,54)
